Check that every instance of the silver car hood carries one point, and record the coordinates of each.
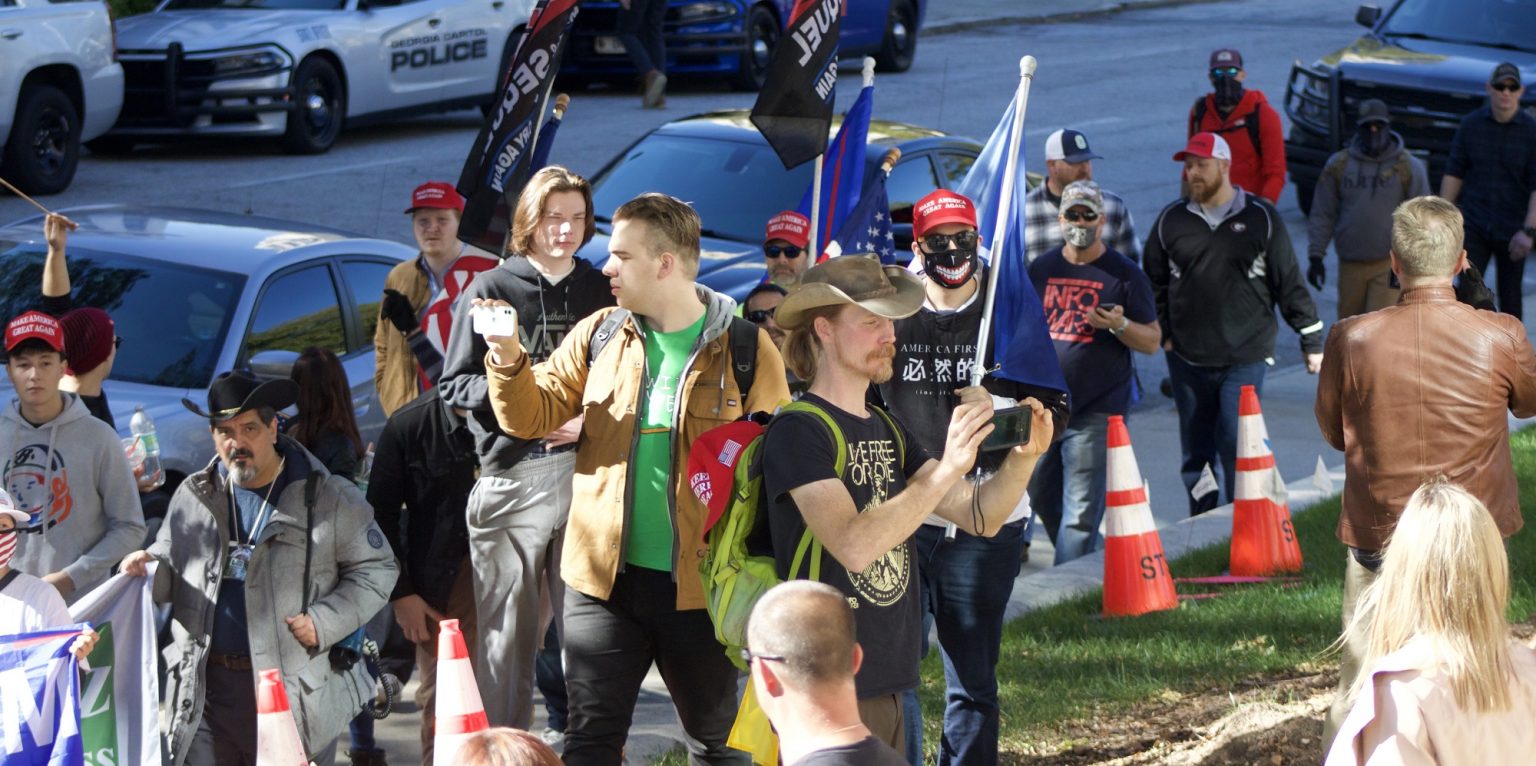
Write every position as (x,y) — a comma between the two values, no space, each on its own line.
(211,29)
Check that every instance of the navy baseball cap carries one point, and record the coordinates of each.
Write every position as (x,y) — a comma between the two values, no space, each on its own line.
(1070,146)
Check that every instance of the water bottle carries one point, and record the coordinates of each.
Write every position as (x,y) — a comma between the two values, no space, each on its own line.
(364,470)
(143,429)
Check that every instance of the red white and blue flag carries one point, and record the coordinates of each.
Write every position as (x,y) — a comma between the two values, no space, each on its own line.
(40,699)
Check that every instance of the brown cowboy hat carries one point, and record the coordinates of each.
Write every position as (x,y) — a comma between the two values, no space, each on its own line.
(859,280)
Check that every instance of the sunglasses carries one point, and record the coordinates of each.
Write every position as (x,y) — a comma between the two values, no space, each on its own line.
(1507,87)
(1087,216)
(1225,71)
(782,251)
(938,243)
(747,655)
(759,316)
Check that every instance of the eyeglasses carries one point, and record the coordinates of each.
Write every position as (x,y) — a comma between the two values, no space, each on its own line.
(117,341)
(1225,71)
(1506,86)
(938,243)
(759,316)
(785,251)
(1087,216)
(747,655)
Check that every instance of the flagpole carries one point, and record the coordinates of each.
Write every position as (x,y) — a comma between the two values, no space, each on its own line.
(816,209)
(1000,232)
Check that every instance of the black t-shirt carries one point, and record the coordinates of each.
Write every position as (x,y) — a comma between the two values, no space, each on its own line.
(1096,364)
(866,752)
(799,450)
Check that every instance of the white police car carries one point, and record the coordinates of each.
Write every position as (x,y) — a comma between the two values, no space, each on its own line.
(298,70)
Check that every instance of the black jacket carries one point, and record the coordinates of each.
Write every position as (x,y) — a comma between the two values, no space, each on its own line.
(545,313)
(424,463)
(1217,289)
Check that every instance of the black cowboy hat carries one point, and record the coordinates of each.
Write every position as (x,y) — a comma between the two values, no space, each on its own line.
(236,391)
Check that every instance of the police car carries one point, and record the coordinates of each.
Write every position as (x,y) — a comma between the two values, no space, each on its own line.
(298,70)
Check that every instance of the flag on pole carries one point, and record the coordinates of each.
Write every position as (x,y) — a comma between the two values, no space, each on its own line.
(546,142)
(794,108)
(867,228)
(842,174)
(501,158)
(1021,342)
(40,699)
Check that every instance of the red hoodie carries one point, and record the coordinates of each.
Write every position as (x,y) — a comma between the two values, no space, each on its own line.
(1264,174)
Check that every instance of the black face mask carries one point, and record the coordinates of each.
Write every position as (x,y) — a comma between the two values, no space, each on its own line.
(1373,142)
(951,268)
(1228,91)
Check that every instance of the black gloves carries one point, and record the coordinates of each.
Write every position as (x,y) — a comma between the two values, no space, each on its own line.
(1471,290)
(1317,273)
(397,309)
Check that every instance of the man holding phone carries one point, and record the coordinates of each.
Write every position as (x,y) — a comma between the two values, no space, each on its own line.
(968,578)
(1099,308)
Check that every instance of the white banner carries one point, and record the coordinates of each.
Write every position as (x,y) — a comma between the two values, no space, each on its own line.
(120,694)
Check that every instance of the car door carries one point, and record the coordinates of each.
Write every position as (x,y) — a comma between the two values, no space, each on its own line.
(432,50)
(30,33)
(364,277)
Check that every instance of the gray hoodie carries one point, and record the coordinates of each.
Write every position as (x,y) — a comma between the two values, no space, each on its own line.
(71,475)
(1355,198)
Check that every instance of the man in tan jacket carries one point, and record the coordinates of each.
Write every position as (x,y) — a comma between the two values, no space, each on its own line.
(649,377)
(1419,390)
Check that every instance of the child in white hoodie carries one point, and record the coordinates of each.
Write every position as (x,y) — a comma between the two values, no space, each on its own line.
(28,604)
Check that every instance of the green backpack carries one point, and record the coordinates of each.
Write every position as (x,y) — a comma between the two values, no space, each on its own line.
(735,577)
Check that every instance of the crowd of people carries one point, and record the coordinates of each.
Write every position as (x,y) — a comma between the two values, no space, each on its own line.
(532,479)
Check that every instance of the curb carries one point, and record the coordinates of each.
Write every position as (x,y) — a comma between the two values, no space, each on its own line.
(1054,17)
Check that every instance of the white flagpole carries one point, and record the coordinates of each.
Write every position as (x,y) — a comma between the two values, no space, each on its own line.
(814,251)
(1004,202)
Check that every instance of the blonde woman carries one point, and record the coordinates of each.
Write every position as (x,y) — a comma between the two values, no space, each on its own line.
(1447,683)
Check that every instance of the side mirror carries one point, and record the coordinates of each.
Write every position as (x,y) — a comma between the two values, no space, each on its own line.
(273,364)
(1367,16)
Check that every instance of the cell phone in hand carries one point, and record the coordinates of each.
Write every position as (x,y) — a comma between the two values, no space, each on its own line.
(1109,306)
(1011,427)
(495,321)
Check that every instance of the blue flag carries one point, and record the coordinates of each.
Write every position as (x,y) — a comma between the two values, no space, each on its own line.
(1021,342)
(868,227)
(40,700)
(842,174)
(545,145)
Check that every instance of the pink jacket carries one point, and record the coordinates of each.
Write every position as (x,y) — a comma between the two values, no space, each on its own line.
(1411,718)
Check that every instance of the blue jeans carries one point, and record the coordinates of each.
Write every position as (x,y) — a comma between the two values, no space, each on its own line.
(1207,398)
(967,582)
(641,29)
(1067,491)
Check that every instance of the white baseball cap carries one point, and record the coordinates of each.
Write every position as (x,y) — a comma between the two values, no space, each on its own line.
(8,508)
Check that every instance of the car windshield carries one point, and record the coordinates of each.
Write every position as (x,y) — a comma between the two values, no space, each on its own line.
(267,5)
(172,318)
(1496,23)
(734,186)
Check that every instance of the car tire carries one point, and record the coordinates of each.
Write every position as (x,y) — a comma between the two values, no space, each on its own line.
(320,107)
(1304,196)
(44,146)
(899,46)
(762,32)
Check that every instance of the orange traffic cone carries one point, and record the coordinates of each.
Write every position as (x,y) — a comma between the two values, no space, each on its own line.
(460,712)
(1263,540)
(1136,576)
(277,736)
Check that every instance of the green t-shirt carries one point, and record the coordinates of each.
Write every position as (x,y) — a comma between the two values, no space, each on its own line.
(650,522)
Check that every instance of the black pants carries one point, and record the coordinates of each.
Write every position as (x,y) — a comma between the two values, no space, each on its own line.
(226,735)
(641,30)
(1480,250)
(609,647)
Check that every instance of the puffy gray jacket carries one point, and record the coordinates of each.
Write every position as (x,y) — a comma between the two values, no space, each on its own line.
(352,572)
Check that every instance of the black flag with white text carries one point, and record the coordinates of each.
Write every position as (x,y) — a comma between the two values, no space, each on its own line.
(794,108)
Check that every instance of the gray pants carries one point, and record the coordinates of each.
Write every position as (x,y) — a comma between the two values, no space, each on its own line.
(1352,652)
(516,527)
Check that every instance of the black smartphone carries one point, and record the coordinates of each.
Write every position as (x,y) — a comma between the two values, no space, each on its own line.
(1109,306)
(1011,428)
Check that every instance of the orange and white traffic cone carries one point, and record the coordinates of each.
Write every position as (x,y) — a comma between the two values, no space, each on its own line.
(1263,539)
(277,736)
(1136,578)
(460,713)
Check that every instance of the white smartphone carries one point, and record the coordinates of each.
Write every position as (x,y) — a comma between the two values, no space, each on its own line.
(495,321)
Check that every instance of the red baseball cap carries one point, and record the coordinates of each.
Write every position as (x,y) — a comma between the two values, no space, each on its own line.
(35,324)
(791,227)
(438,195)
(941,206)
(1205,145)
(712,465)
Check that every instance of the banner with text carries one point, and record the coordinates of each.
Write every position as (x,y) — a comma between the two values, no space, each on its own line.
(794,108)
(39,699)
(120,694)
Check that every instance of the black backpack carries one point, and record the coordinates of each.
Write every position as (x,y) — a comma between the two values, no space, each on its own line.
(743,342)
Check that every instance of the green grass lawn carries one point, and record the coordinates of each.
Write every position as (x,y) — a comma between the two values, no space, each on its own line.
(1065,662)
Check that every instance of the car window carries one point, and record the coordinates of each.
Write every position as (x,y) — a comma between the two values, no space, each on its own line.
(1495,23)
(172,318)
(366,281)
(954,167)
(297,310)
(282,5)
(910,181)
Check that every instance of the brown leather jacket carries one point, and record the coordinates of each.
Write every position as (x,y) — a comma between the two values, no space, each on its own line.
(395,375)
(532,400)
(1419,390)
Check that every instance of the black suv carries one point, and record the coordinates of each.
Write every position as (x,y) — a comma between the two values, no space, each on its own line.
(1427,59)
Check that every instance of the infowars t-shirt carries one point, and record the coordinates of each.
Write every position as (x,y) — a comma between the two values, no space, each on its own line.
(650,523)
(799,450)
(1096,364)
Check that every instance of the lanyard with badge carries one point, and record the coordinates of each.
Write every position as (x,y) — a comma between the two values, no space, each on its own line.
(239,559)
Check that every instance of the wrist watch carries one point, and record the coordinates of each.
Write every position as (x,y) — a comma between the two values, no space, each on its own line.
(1124,323)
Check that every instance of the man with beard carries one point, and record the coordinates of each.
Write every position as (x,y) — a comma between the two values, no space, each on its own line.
(1360,187)
(519,505)
(1246,121)
(785,251)
(1067,159)
(863,518)
(966,579)
(267,561)
(1220,261)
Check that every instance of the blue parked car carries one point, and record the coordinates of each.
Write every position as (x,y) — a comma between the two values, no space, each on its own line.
(735,38)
